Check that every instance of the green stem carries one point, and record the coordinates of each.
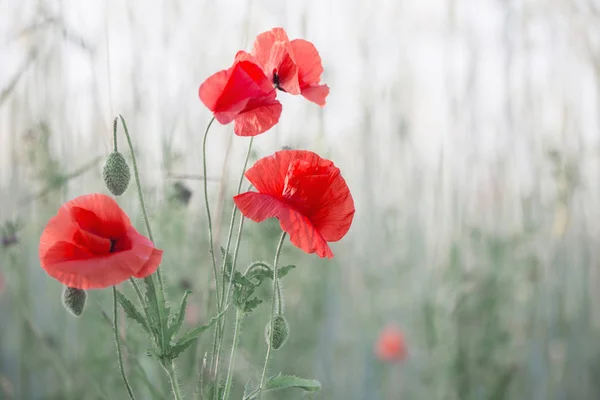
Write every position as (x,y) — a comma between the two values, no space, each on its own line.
(119,356)
(225,294)
(140,193)
(279,299)
(213,359)
(115,147)
(210,230)
(170,368)
(149,280)
(230,233)
(264,372)
(239,316)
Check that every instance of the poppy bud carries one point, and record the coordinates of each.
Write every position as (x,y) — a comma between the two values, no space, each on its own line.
(116,173)
(281,331)
(74,300)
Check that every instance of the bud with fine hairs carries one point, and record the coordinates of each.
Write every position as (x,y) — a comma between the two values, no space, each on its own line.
(116,173)
(73,300)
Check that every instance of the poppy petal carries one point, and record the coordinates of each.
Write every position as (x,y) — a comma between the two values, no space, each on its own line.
(99,214)
(258,207)
(268,174)
(335,212)
(288,75)
(259,119)
(227,93)
(273,52)
(308,60)
(316,93)
(210,93)
(75,267)
(91,244)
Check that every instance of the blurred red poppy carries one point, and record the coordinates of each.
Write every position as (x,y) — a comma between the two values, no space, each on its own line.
(306,193)
(293,66)
(91,244)
(391,345)
(242,94)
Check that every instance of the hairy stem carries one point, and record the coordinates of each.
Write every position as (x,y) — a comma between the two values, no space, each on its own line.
(170,368)
(119,355)
(115,147)
(269,346)
(239,316)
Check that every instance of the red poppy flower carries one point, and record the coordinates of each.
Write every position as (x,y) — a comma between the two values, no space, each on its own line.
(293,66)
(242,94)
(91,244)
(391,345)
(306,193)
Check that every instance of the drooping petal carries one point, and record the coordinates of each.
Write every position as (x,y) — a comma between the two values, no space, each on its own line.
(335,212)
(316,93)
(263,115)
(258,207)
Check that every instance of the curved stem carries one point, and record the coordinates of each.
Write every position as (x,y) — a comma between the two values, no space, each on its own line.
(210,230)
(140,194)
(119,355)
(170,368)
(239,316)
(217,335)
(224,296)
(264,372)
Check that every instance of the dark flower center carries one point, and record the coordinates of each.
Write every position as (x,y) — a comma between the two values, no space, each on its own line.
(113,243)
(276,81)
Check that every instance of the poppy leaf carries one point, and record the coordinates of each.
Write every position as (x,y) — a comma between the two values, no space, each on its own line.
(131,311)
(250,305)
(283,271)
(158,314)
(177,320)
(289,381)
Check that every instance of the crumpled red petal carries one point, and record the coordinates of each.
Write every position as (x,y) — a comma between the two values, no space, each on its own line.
(311,187)
(303,234)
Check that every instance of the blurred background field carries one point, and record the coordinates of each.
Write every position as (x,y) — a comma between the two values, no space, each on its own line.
(467,130)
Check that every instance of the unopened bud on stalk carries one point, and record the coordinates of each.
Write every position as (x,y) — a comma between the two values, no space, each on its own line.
(74,300)
(116,173)
(281,331)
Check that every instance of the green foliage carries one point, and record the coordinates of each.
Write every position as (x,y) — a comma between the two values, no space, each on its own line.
(131,311)
(280,382)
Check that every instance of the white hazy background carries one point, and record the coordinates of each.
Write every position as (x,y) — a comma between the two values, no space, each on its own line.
(451,113)
(468,95)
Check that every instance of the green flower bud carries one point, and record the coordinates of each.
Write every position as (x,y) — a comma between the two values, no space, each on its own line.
(281,331)
(116,173)
(74,300)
